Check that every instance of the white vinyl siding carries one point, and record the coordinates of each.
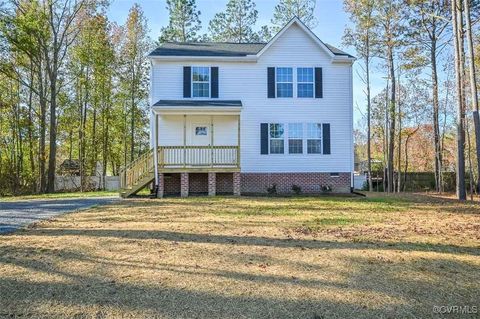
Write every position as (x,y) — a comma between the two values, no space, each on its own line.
(247,81)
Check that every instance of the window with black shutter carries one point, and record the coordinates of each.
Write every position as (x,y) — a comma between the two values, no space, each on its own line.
(187,81)
(318,83)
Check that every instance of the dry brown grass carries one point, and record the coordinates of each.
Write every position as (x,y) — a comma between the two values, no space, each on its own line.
(329,257)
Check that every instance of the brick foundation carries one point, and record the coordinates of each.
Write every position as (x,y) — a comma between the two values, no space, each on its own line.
(198,183)
(310,183)
(212,184)
(237,185)
(184,184)
(250,183)
(161,186)
(224,183)
(171,183)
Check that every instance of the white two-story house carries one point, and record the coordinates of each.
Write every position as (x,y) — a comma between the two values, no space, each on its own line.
(240,118)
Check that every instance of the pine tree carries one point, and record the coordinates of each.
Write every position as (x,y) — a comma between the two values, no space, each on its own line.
(236,23)
(134,80)
(288,9)
(184,22)
(265,34)
(390,31)
(429,20)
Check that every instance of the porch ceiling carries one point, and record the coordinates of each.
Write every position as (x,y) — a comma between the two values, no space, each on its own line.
(197,107)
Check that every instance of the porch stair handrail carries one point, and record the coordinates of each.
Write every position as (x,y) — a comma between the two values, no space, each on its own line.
(141,171)
(137,170)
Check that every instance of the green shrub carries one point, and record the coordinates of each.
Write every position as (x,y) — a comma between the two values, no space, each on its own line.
(272,190)
(296,189)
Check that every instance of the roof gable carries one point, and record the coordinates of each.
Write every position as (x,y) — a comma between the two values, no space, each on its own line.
(239,51)
(306,30)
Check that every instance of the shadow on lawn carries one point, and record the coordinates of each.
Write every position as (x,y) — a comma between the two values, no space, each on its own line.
(253,240)
(378,203)
(401,296)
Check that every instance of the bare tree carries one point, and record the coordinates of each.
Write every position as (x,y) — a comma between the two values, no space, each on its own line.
(458,45)
(473,86)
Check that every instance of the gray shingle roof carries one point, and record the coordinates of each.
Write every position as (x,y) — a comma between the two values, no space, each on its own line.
(196,103)
(220,49)
(207,49)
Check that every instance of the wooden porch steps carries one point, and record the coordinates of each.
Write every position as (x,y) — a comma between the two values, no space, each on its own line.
(137,175)
(176,159)
(139,185)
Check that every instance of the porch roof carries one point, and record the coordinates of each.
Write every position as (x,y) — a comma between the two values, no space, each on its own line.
(197,107)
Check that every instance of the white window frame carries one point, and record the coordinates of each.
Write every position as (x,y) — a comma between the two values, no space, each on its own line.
(301,82)
(270,138)
(308,137)
(302,138)
(278,82)
(202,82)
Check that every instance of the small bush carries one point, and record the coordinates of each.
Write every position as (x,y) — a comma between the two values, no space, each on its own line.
(296,189)
(272,190)
(365,186)
(326,188)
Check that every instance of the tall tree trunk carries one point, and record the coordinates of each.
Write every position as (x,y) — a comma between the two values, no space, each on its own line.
(30,125)
(43,128)
(457,30)
(94,144)
(132,119)
(473,87)
(385,139)
(469,152)
(392,116)
(436,126)
(52,154)
(399,151)
(369,128)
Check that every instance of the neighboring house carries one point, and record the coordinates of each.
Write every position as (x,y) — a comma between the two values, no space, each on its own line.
(242,117)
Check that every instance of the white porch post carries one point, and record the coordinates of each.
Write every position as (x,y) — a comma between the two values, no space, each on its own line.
(211,141)
(155,150)
(184,140)
(238,142)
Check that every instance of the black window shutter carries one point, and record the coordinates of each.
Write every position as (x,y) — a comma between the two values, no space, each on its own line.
(318,83)
(264,138)
(326,138)
(214,82)
(271,82)
(187,81)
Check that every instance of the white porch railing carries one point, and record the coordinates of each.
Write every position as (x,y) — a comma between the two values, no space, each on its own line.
(198,156)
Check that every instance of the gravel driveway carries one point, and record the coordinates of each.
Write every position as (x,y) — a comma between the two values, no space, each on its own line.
(16,214)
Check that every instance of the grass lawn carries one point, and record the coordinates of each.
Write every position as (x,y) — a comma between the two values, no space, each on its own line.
(225,257)
(59,195)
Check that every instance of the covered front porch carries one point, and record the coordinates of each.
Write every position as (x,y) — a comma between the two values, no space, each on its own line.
(192,137)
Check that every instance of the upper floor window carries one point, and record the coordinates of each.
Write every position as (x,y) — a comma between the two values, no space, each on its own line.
(284,82)
(305,82)
(276,138)
(200,81)
(314,138)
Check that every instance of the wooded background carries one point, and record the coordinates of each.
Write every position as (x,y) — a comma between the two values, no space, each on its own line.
(74,85)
